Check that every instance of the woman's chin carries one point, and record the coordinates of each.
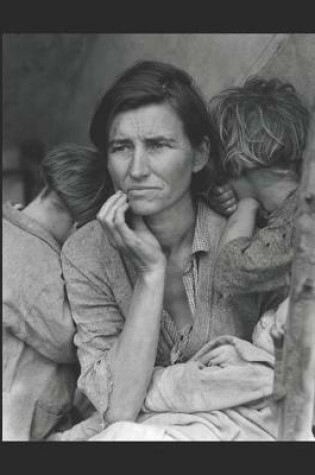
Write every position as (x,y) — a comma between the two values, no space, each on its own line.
(142,210)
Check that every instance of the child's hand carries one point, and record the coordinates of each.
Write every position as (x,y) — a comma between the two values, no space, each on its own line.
(224,355)
(262,332)
(279,327)
(223,199)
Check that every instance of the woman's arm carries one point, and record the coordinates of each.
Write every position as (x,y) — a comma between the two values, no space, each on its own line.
(137,345)
(117,328)
(136,348)
(116,345)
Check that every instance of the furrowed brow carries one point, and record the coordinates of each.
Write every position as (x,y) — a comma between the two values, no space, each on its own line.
(118,142)
(161,138)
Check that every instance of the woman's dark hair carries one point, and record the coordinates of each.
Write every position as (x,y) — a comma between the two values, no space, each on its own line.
(152,82)
(260,124)
(79,176)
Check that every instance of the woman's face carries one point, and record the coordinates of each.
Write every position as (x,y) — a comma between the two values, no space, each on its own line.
(151,159)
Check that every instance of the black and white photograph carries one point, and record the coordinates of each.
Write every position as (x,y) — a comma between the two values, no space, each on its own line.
(158,237)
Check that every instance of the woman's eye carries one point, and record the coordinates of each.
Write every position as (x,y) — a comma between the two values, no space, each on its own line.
(157,145)
(118,148)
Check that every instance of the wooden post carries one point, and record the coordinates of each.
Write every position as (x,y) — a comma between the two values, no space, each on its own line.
(296,376)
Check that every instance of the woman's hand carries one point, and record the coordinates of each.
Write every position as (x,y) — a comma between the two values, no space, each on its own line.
(223,199)
(222,356)
(139,244)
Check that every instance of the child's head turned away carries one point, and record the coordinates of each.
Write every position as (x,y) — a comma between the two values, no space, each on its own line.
(263,123)
(271,325)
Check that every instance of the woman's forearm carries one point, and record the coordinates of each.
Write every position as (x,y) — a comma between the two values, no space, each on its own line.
(136,350)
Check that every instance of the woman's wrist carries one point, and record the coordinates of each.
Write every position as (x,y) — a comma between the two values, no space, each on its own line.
(153,274)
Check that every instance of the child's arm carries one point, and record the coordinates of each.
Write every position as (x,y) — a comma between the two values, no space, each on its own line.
(261,262)
(242,222)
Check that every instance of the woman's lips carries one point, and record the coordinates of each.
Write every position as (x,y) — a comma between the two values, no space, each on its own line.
(143,191)
(132,188)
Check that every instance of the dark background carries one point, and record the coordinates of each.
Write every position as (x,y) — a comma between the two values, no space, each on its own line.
(53,81)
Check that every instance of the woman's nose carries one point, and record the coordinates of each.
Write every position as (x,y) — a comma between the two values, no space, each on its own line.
(139,166)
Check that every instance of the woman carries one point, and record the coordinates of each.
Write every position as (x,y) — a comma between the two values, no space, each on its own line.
(139,279)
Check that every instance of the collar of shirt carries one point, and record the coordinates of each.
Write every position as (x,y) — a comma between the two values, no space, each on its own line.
(14,215)
(201,242)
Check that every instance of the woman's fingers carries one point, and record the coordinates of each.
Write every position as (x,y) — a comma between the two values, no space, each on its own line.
(108,217)
(108,211)
(114,220)
(138,242)
(219,354)
(206,360)
(217,361)
(215,353)
(127,236)
(108,205)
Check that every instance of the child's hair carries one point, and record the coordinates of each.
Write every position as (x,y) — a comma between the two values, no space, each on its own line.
(261,124)
(78,175)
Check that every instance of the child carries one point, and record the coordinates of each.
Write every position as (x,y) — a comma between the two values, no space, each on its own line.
(262,129)
(39,358)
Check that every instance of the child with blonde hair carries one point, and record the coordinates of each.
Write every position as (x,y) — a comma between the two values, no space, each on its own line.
(262,130)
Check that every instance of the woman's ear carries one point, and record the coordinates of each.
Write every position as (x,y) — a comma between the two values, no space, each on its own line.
(201,155)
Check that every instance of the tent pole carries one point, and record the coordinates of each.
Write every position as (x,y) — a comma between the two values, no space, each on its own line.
(295,375)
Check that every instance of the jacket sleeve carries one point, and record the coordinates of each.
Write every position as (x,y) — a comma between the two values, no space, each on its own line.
(44,321)
(99,323)
(257,264)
